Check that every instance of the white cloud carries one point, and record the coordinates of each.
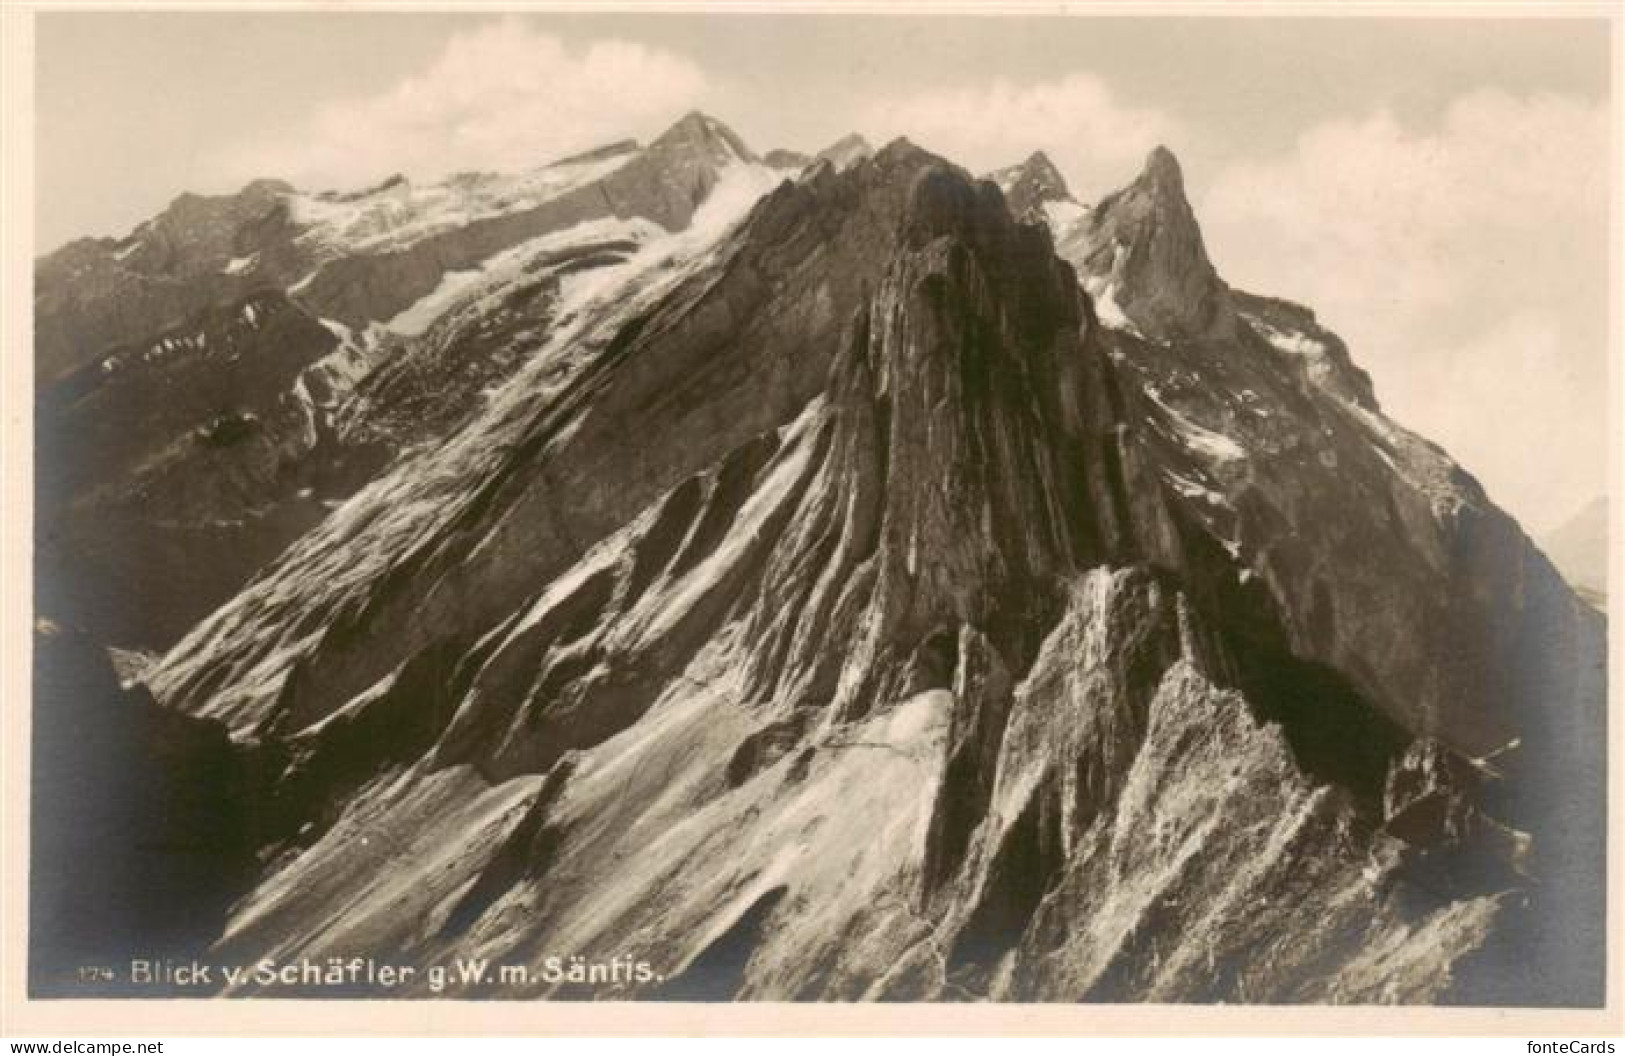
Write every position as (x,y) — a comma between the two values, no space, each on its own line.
(502,97)
(1093,137)
(1515,407)
(1465,264)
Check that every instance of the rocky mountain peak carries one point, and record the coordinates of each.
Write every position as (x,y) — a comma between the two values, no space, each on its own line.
(1029,185)
(901,149)
(1162,171)
(903,153)
(700,134)
(894,183)
(1042,172)
(256,194)
(846,151)
(1143,254)
(669,179)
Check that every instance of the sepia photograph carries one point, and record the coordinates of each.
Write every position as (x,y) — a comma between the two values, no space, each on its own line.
(1016,506)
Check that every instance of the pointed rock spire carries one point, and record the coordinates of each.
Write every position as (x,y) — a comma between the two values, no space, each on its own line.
(668,180)
(1162,170)
(1029,185)
(1142,257)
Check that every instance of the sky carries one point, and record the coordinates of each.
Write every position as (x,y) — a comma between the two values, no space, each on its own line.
(1436,189)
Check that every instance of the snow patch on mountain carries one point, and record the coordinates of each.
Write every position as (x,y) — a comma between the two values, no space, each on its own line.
(417,318)
(1192,490)
(1107,309)
(399,213)
(739,187)
(1105,289)
(1063,216)
(456,287)
(663,257)
(1287,341)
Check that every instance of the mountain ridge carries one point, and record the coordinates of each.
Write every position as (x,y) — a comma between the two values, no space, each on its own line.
(1008,609)
(329,414)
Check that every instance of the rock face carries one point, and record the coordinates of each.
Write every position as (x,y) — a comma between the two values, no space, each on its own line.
(274,351)
(663,184)
(353,258)
(842,603)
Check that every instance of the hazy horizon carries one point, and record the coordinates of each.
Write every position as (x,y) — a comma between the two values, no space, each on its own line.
(1436,190)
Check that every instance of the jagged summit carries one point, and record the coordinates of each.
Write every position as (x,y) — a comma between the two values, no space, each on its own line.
(839,156)
(257,189)
(702,133)
(1162,169)
(900,154)
(902,148)
(1042,171)
(899,166)
(1142,257)
(846,151)
(1156,192)
(1034,184)
(1038,173)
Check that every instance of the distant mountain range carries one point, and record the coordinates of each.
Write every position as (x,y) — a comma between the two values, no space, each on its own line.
(1579,549)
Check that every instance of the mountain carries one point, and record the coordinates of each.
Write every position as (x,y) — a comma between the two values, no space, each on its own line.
(1144,250)
(318,336)
(842,154)
(1579,548)
(883,584)
(845,152)
(95,293)
(1031,186)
